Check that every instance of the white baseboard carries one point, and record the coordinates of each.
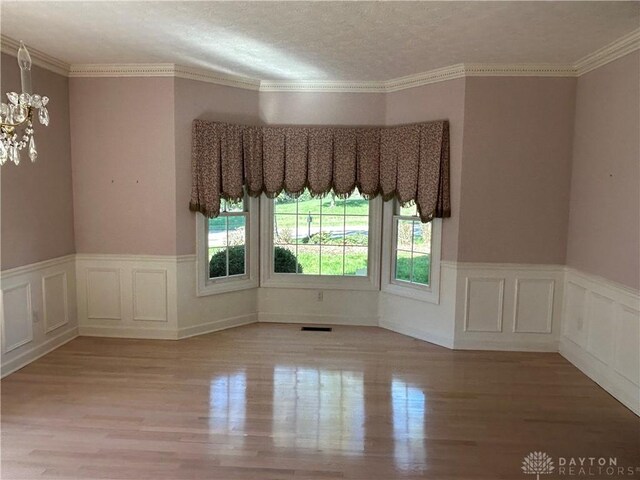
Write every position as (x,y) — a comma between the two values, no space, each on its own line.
(623,390)
(128,332)
(218,325)
(416,333)
(317,319)
(40,351)
(520,345)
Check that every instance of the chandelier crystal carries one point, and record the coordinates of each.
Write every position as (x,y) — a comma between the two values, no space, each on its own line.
(16,116)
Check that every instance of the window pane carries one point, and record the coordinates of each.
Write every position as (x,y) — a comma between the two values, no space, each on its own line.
(403,265)
(284,227)
(308,224)
(308,204)
(228,206)
(218,232)
(405,233)
(409,211)
(309,259)
(236,260)
(237,230)
(355,260)
(356,225)
(284,203)
(332,205)
(332,230)
(422,237)
(357,205)
(217,262)
(332,260)
(284,259)
(421,264)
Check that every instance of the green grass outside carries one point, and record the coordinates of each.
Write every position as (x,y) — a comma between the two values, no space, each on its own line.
(355,261)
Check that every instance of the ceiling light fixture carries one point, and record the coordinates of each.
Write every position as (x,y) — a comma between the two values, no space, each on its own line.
(16,126)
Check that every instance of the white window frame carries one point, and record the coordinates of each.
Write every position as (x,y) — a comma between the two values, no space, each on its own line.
(270,279)
(213,286)
(427,293)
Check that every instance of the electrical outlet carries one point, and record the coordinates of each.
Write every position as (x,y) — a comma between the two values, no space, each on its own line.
(320,296)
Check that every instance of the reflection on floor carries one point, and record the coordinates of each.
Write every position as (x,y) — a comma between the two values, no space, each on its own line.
(272,402)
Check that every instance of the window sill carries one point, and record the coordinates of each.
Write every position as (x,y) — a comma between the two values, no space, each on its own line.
(318,282)
(215,287)
(430,295)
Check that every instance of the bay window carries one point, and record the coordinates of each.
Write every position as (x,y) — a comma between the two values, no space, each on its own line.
(325,242)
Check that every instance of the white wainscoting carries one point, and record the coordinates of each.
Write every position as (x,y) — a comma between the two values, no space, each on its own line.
(601,334)
(423,319)
(508,306)
(38,311)
(142,296)
(127,296)
(200,314)
(318,306)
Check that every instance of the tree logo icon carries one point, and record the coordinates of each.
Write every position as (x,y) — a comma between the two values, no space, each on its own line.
(537,463)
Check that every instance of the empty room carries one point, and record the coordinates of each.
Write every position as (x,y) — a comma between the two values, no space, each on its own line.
(320,240)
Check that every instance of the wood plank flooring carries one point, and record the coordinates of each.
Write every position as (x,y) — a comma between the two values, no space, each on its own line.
(273,402)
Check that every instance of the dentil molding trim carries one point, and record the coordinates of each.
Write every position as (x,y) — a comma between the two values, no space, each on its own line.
(624,45)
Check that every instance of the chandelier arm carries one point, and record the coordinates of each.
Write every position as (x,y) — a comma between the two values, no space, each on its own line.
(9,127)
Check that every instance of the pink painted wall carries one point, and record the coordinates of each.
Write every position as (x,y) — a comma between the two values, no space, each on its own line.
(444,100)
(124,165)
(206,101)
(37,199)
(516,169)
(319,108)
(604,222)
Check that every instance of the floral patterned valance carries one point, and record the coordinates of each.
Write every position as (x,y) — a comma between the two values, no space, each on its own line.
(407,162)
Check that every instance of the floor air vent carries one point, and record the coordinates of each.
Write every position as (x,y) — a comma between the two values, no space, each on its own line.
(316,329)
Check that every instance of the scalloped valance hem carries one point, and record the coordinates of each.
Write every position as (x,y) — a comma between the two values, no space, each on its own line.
(409,163)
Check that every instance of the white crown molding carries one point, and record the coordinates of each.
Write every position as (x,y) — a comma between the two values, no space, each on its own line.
(624,45)
(609,53)
(160,70)
(122,70)
(210,76)
(518,70)
(425,78)
(334,86)
(41,59)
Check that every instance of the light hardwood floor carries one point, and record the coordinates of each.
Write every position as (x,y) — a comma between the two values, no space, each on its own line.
(272,402)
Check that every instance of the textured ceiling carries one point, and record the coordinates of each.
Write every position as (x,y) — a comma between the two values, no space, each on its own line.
(319,40)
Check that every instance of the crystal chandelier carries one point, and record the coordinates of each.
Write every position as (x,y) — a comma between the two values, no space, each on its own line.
(16,126)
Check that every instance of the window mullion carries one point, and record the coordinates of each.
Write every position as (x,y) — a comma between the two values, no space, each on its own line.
(344,239)
(413,226)
(319,241)
(297,214)
(226,224)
